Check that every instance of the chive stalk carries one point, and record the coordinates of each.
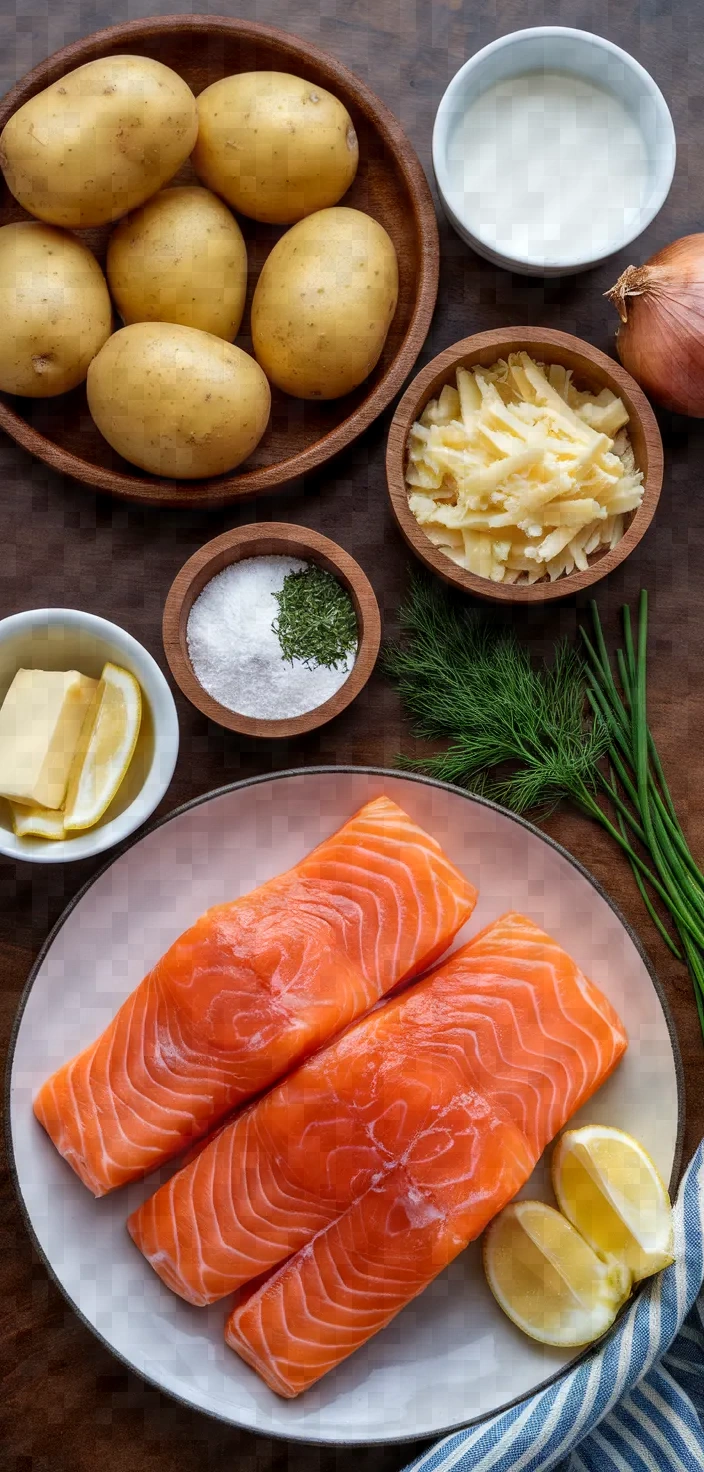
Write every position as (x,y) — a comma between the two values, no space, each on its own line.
(680,881)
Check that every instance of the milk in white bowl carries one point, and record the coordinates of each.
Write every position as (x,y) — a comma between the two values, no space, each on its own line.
(552,149)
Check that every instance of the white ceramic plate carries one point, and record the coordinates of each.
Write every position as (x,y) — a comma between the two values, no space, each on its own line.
(451,1356)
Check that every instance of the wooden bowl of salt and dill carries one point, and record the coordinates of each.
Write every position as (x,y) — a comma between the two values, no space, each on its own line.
(271,630)
(523,464)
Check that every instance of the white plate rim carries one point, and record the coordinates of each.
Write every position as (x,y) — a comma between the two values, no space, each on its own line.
(324,770)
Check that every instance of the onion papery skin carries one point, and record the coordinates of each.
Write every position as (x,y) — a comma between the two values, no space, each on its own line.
(661,341)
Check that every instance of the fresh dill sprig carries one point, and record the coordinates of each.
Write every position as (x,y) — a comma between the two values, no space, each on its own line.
(316,622)
(527,735)
(517,730)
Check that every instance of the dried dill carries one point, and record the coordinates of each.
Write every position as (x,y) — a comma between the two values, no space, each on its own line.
(316,622)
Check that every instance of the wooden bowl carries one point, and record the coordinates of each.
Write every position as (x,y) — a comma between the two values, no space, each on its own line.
(390,185)
(268,539)
(592,370)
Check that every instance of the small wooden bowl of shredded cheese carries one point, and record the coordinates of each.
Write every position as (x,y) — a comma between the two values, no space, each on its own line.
(523,464)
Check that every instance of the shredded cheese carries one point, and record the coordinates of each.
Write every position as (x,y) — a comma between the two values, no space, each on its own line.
(517,475)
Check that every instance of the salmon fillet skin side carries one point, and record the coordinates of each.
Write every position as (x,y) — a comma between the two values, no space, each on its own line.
(520,1039)
(509,1017)
(251,989)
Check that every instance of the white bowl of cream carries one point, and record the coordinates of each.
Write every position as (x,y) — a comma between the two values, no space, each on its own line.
(552,149)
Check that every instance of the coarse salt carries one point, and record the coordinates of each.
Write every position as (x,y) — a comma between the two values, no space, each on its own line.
(235,653)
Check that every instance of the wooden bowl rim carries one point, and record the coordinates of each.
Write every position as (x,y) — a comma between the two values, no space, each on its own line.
(221,490)
(413,402)
(295,541)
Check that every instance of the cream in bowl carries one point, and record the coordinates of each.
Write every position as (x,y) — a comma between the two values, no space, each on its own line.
(88,735)
(552,149)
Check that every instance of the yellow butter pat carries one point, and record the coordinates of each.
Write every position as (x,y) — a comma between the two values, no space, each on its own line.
(40,724)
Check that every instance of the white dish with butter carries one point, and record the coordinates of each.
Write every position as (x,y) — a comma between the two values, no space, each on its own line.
(63,640)
(552,149)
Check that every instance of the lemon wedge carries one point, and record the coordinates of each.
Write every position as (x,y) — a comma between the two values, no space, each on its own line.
(608,1187)
(37,822)
(547,1279)
(105,748)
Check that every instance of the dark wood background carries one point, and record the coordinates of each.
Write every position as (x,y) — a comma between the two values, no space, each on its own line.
(67,1406)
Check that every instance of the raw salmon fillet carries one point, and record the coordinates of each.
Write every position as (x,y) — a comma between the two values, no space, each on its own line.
(251,989)
(518,1039)
(360,1271)
(509,1019)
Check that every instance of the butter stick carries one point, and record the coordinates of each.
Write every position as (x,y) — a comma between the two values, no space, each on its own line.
(40,724)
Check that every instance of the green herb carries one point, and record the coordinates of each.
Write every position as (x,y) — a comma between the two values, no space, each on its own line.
(528,735)
(640,793)
(460,677)
(316,621)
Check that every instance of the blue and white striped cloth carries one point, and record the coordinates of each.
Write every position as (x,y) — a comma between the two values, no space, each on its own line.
(635,1405)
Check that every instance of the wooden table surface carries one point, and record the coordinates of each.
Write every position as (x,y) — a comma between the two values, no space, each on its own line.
(66,1403)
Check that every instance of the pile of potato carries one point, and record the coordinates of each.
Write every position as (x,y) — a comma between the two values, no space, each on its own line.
(169,390)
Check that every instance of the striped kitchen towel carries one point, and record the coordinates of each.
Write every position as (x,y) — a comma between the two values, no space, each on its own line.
(635,1405)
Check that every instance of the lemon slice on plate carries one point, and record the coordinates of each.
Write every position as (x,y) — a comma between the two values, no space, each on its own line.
(548,1279)
(105,749)
(37,822)
(608,1187)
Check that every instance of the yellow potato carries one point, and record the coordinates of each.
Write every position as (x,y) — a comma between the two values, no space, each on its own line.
(99,141)
(324,303)
(54,308)
(274,146)
(176,401)
(180,258)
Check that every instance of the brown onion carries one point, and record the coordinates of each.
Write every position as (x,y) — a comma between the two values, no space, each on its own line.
(661,337)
